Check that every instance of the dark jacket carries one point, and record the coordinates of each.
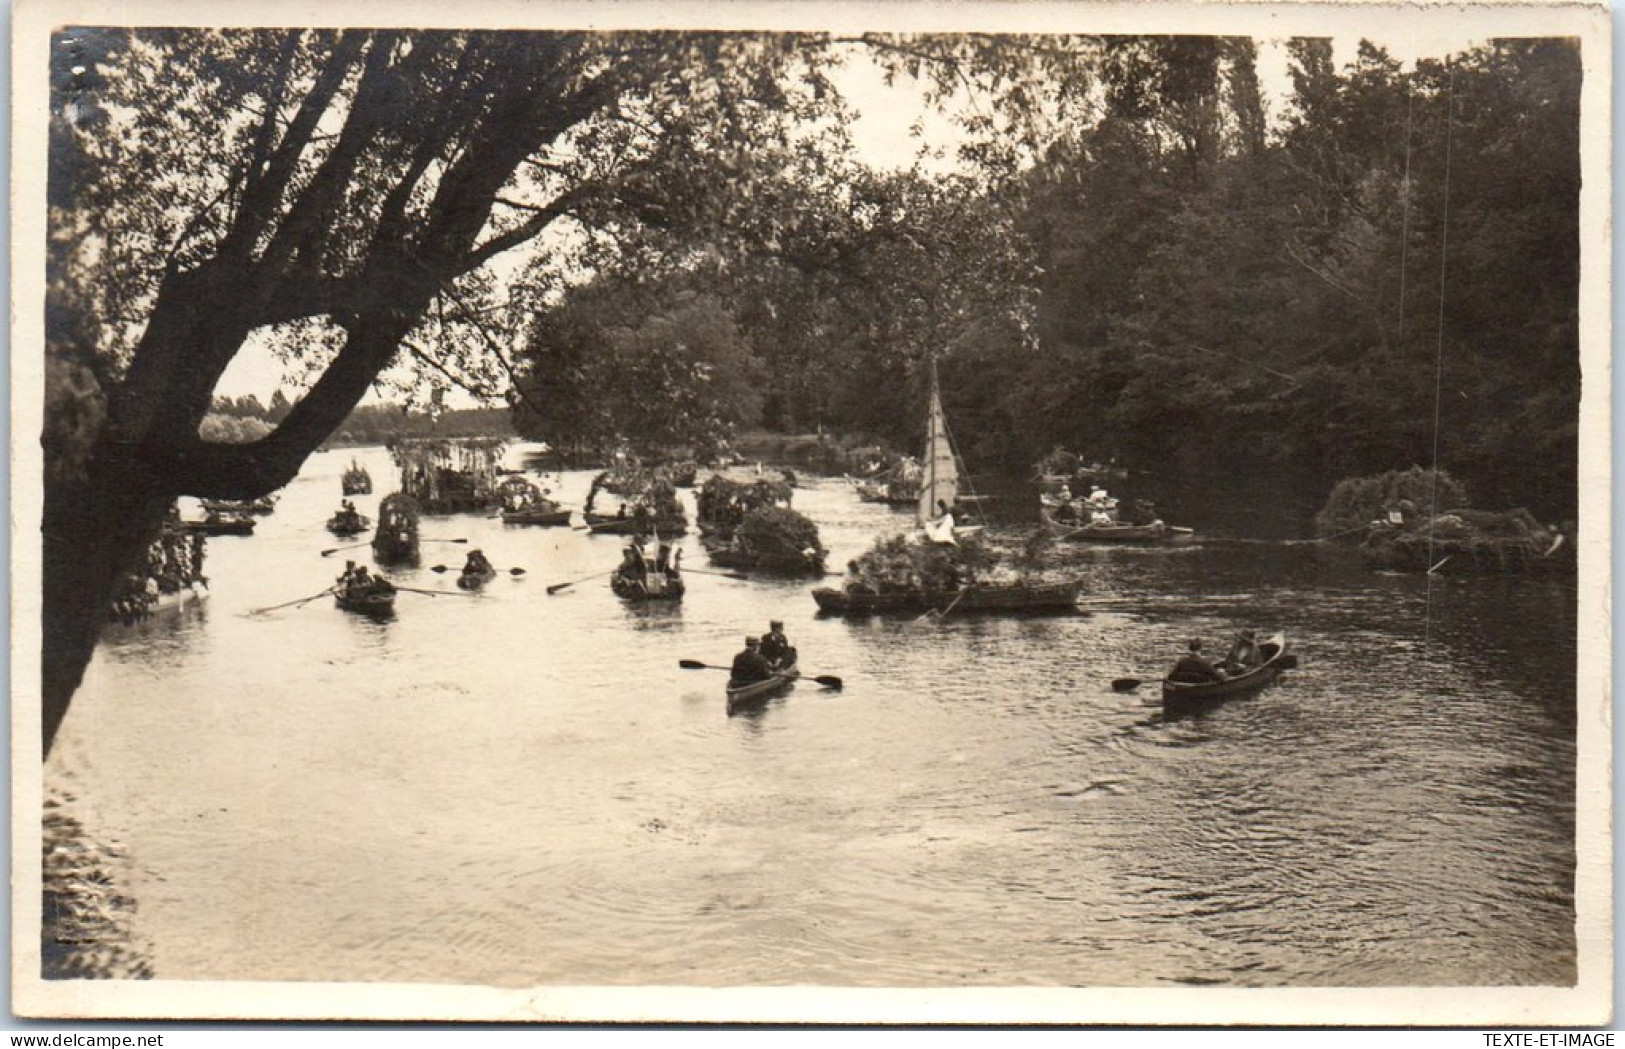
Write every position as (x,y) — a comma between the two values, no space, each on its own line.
(1194,669)
(749,667)
(776,649)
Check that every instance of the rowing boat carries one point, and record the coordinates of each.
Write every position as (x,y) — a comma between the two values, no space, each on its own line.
(1007,598)
(1184,697)
(636,524)
(370,602)
(741,697)
(537,515)
(475,579)
(1116,532)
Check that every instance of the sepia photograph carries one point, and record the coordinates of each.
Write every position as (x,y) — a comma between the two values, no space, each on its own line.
(855,513)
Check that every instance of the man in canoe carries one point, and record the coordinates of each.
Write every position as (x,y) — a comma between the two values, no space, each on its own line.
(1193,668)
(749,666)
(477,564)
(776,648)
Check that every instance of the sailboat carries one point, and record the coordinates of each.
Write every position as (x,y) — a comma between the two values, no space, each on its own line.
(939,492)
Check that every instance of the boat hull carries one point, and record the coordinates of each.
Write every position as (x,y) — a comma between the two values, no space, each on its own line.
(746,697)
(346,529)
(1155,532)
(608,524)
(1181,698)
(372,603)
(241,526)
(539,518)
(475,580)
(726,555)
(667,589)
(1058,597)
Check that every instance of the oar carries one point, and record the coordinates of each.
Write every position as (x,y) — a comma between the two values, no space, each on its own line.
(442,540)
(435,593)
(724,575)
(443,568)
(285,604)
(827,680)
(556,587)
(352,546)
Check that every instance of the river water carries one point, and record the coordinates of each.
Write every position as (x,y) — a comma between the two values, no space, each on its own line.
(517,789)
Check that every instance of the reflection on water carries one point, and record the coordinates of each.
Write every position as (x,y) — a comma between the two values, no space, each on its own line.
(514,788)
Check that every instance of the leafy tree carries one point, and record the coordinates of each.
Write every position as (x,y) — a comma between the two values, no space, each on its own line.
(343,194)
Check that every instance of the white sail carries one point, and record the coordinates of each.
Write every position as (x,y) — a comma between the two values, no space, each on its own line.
(941,481)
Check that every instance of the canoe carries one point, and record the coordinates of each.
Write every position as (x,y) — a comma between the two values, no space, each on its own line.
(741,697)
(537,516)
(609,524)
(1155,532)
(1012,598)
(366,602)
(1181,697)
(666,588)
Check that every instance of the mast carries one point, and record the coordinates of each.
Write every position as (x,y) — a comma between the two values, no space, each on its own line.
(941,475)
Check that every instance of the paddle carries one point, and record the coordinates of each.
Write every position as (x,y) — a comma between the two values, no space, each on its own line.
(827,680)
(556,587)
(285,604)
(442,540)
(942,612)
(443,568)
(352,546)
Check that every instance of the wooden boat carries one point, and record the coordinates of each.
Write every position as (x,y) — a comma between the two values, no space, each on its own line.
(356,480)
(890,494)
(345,525)
(1182,697)
(524,504)
(940,485)
(730,555)
(370,601)
(744,697)
(396,540)
(218,524)
(165,607)
(1004,597)
(542,516)
(263,505)
(1117,532)
(654,585)
(636,524)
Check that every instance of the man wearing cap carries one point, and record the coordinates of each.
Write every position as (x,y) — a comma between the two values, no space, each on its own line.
(749,666)
(776,646)
(1193,669)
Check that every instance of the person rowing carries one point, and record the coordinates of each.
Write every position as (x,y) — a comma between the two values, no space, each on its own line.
(749,666)
(477,564)
(1193,668)
(1243,654)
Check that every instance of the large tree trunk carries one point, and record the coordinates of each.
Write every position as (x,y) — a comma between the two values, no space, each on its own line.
(94,529)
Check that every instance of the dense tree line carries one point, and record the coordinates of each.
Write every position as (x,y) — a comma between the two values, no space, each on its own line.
(1382,273)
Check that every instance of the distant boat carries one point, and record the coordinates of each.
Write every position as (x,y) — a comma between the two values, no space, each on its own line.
(356,480)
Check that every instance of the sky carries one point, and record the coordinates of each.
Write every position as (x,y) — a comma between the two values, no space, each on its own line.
(882,136)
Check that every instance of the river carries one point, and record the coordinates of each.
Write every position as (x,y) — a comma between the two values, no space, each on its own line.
(518,789)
